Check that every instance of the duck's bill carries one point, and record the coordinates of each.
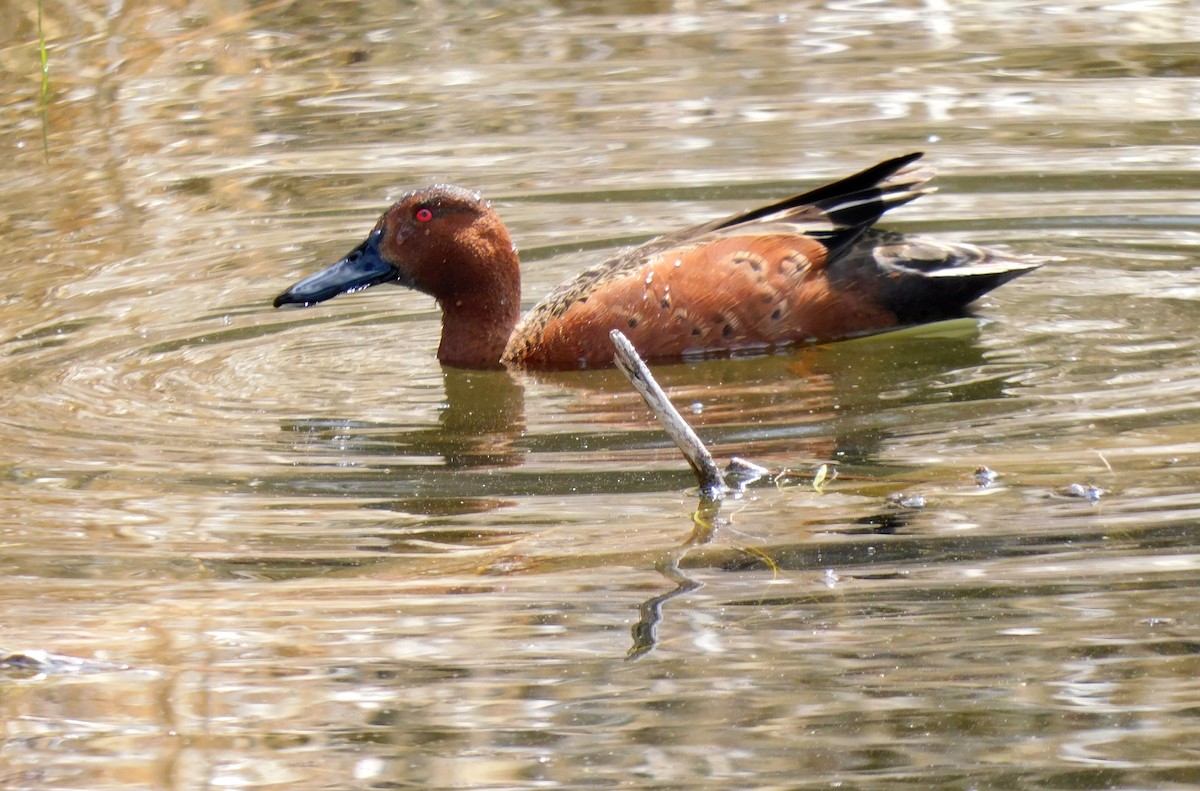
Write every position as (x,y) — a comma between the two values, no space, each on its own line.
(361,268)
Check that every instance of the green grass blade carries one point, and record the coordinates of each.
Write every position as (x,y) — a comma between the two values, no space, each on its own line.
(45,98)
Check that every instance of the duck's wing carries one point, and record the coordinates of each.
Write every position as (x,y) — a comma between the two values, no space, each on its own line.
(834,214)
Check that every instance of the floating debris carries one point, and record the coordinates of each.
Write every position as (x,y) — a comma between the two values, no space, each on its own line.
(902,500)
(821,475)
(1089,492)
(985,476)
(824,473)
(745,469)
(740,474)
(37,663)
(1159,621)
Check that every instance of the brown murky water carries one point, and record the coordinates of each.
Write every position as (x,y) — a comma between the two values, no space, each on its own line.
(285,549)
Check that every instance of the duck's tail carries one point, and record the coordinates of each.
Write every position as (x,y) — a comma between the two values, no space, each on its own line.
(927,279)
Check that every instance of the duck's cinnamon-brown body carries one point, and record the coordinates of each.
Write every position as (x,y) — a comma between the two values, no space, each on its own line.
(809,268)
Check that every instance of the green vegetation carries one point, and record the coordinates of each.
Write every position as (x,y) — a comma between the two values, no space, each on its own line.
(45,97)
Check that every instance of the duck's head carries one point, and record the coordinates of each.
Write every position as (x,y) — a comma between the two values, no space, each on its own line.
(442,240)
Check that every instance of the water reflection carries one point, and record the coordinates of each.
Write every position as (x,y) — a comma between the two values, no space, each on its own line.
(478,425)
(751,405)
(814,405)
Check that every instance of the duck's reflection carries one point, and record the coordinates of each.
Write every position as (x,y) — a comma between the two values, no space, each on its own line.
(839,404)
(482,417)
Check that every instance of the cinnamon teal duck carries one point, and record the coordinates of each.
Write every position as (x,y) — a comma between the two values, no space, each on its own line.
(806,269)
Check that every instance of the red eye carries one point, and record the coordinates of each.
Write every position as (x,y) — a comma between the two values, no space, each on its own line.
(424,215)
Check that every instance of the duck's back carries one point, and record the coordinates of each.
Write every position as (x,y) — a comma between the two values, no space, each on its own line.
(810,268)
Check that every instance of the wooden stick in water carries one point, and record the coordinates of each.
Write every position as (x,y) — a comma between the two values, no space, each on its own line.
(712,484)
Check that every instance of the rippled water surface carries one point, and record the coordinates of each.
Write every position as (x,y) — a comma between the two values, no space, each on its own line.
(249,548)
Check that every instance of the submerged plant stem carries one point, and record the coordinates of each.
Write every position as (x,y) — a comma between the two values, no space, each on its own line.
(630,363)
(45,97)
